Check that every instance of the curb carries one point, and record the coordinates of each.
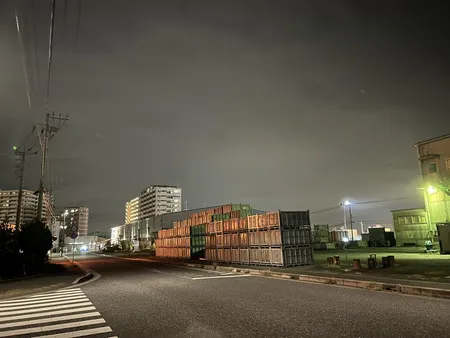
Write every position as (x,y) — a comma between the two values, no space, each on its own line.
(84,278)
(353,283)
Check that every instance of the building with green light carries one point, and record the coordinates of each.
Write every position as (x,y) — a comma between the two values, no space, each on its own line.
(434,162)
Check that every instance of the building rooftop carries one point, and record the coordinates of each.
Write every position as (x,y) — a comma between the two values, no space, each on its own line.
(434,139)
(408,209)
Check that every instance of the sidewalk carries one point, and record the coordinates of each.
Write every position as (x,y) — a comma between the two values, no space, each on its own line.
(60,273)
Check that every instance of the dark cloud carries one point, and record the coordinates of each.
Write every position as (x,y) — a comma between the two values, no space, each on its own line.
(287,104)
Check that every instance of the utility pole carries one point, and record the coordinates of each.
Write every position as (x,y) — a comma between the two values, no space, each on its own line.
(351,219)
(20,156)
(51,126)
(20,167)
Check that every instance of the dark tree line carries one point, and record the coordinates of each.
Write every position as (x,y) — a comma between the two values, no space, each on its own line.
(23,251)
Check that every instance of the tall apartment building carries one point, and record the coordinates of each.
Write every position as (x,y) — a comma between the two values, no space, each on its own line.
(8,205)
(434,160)
(75,215)
(154,200)
(132,211)
(9,200)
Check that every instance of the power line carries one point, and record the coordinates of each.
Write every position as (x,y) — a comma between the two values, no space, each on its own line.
(78,26)
(27,49)
(24,61)
(50,52)
(36,48)
(325,210)
(384,200)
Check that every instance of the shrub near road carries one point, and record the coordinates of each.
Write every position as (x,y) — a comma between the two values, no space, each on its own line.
(23,251)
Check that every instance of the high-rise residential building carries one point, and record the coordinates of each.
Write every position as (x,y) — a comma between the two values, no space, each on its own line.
(434,159)
(132,211)
(9,200)
(75,215)
(154,200)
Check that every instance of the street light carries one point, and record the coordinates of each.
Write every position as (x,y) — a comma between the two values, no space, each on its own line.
(431,190)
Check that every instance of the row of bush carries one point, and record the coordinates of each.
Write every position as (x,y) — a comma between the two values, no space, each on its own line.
(23,251)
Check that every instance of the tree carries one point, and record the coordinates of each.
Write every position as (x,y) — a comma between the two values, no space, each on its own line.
(35,241)
(10,263)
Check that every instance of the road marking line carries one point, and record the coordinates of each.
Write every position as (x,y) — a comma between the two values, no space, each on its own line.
(40,298)
(227,273)
(40,301)
(51,327)
(80,333)
(20,306)
(171,274)
(49,320)
(64,290)
(56,307)
(217,277)
(57,292)
(51,313)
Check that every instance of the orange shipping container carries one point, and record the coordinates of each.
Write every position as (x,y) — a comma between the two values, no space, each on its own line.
(226,226)
(244,255)
(243,224)
(264,238)
(243,238)
(276,256)
(226,240)
(265,255)
(210,241)
(253,238)
(218,226)
(252,221)
(236,214)
(263,221)
(235,255)
(227,255)
(255,255)
(210,212)
(234,239)
(219,240)
(235,224)
(227,208)
(220,255)
(274,219)
(210,228)
(211,255)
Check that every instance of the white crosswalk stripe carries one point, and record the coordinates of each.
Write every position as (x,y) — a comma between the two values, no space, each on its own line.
(63,313)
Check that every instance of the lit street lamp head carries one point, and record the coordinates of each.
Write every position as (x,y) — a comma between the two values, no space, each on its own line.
(347,202)
(431,190)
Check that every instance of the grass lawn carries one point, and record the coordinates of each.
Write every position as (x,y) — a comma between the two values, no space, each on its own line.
(409,261)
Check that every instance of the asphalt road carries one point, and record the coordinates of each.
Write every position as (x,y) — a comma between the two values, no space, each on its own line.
(148,299)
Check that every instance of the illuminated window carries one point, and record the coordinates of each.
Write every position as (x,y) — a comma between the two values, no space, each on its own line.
(432,168)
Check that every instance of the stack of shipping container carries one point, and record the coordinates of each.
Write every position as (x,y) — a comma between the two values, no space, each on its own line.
(174,242)
(235,234)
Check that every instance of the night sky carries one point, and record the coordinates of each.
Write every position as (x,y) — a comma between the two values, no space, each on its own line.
(281,104)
